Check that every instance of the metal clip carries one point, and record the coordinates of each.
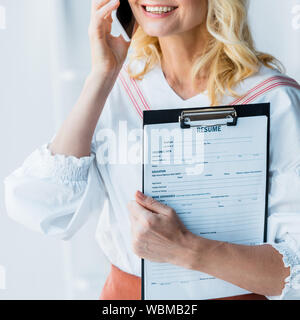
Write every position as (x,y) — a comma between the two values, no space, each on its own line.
(216,116)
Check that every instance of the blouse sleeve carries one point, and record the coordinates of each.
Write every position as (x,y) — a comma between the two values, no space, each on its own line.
(54,194)
(284,195)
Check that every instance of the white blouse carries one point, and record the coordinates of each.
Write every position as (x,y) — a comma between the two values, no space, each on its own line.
(55,194)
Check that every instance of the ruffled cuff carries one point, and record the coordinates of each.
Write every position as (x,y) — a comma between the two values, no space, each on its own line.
(291,258)
(43,164)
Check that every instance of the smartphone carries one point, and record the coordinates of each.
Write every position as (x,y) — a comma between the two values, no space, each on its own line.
(123,21)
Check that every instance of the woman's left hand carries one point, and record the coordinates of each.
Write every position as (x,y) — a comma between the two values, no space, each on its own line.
(157,232)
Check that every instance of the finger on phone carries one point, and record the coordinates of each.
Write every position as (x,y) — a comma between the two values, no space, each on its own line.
(108,18)
(107,9)
(103,19)
(96,4)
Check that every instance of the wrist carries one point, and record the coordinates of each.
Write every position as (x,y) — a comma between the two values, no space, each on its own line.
(192,251)
(108,72)
(100,76)
(198,252)
(100,82)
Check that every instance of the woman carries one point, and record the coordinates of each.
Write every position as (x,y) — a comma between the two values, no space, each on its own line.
(199,53)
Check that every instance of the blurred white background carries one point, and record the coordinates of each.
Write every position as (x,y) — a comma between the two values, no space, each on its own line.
(44,59)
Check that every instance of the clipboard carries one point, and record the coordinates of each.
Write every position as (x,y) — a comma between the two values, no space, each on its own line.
(228,116)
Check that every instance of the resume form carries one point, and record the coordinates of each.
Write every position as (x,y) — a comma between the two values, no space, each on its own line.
(214,177)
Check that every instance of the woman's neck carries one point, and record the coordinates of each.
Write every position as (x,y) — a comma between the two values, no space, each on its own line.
(178,56)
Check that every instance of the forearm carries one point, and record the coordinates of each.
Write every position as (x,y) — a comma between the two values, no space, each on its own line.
(75,135)
(258,269)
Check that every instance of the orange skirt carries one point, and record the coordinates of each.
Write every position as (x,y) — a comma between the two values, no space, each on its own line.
(121,285)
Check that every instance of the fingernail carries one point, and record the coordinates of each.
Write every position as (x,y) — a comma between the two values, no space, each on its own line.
(140,195)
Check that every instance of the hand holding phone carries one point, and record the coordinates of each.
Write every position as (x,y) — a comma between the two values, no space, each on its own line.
(108,52)
(123,21)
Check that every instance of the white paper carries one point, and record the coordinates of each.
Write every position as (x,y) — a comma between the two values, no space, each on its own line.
(216,182)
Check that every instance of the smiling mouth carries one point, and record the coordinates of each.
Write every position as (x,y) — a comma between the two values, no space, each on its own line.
(159,11)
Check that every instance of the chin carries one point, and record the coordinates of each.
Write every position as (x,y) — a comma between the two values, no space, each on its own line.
(156,33)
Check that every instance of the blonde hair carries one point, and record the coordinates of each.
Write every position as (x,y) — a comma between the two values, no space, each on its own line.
(230,55)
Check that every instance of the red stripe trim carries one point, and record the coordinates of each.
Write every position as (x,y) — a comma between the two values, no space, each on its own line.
(140,111)
(131,96)
(253,89)
(140,94)
(262,84)
(283,84)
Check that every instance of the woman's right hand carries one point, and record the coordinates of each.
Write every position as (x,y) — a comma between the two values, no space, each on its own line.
(108,52)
